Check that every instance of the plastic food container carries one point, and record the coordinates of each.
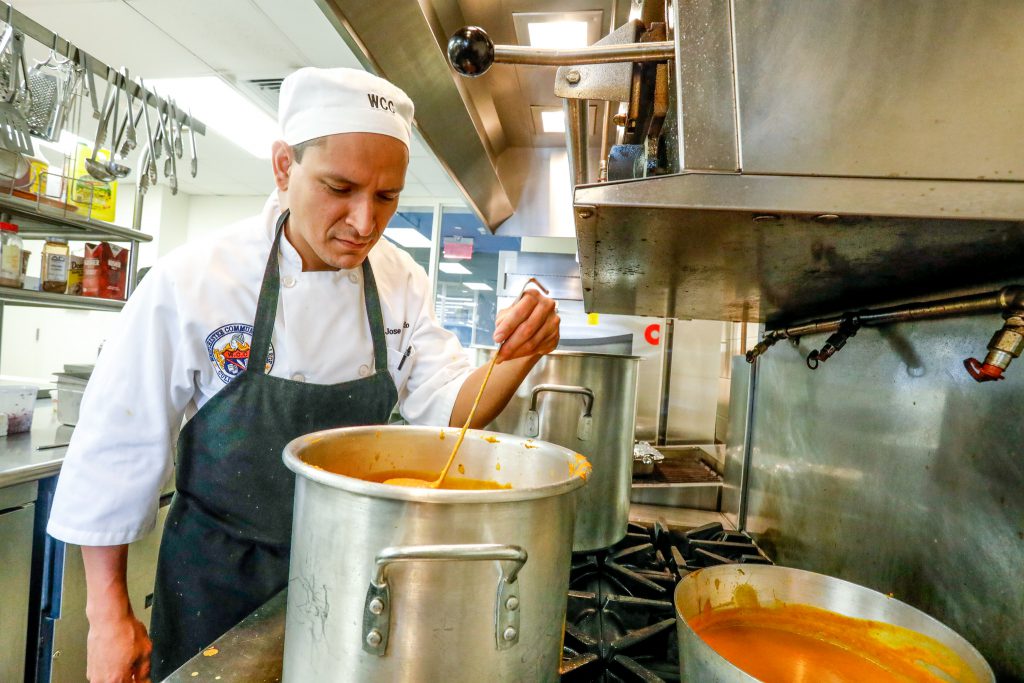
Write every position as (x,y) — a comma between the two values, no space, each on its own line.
(70,390)
(17,401)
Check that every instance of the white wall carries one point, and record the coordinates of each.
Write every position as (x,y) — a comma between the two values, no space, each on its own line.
(210,212)
(694,382)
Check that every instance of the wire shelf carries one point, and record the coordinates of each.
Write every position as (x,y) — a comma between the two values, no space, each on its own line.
(48,214)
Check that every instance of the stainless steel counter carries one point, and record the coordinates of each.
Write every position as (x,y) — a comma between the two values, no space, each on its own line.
(252,651)
(20,457)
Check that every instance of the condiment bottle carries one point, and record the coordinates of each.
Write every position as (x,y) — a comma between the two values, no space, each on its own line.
(56,260)
(10,255)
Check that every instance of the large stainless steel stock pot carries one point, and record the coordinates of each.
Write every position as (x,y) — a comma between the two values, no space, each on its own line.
(587,402)
(401,584)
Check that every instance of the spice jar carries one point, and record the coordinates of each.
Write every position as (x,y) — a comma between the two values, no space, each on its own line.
(10,255)
(56,259)
(76,270)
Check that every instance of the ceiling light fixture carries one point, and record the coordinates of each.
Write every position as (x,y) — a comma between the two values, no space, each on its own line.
(454,269)
(561,34)
(223,109)
(408,238)
(565,30)
(478,286)
(552,121)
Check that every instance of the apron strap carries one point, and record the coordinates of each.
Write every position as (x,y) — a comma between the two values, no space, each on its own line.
(266,309)
(376,318)
(266,306)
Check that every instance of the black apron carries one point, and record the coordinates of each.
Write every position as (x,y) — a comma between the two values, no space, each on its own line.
(226,540)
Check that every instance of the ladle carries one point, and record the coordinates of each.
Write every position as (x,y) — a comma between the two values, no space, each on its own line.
(412,482)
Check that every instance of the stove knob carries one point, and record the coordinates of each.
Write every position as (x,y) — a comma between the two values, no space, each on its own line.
(471,51)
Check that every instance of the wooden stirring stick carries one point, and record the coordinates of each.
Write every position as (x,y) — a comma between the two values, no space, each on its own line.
(462,435)
(422,483)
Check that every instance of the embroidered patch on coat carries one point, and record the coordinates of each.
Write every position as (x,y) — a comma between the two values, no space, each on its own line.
(229,347)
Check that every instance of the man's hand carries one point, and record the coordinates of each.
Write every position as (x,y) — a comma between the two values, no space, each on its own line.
(118,645)
(118,651)
(529,327)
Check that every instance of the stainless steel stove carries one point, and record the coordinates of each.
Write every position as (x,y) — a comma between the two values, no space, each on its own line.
(620,621)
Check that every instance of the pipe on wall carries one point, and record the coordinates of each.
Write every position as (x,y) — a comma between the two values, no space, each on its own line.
(1006,344)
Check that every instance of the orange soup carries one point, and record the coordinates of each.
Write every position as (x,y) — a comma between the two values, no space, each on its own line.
(450,482)
(803,644)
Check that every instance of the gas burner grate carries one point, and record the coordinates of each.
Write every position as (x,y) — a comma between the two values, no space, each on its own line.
(620,620)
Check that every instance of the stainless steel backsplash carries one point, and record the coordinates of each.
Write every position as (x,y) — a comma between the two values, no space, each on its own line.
(890,467)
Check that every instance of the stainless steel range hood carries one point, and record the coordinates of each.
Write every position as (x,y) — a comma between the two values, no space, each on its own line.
(719,246)
(816,155)
(483,131)
(832,155)
(396,40)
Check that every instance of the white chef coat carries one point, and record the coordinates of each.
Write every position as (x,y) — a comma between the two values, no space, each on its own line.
(167,359)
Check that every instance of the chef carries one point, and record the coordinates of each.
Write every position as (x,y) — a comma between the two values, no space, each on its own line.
(293,321)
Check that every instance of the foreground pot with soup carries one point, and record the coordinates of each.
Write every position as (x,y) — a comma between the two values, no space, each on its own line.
(408,584)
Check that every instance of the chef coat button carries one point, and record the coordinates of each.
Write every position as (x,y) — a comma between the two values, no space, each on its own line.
(288,281)
(299,377)
(353,278)
(364,370)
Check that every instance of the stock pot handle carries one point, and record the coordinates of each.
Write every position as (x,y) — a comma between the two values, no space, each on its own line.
(586,421)
(377,610)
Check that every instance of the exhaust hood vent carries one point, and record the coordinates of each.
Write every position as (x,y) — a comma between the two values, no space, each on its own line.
(265,91)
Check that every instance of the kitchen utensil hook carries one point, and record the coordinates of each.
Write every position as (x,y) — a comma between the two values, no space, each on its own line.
(55,58)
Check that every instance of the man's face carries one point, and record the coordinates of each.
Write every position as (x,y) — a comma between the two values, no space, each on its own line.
(341,195)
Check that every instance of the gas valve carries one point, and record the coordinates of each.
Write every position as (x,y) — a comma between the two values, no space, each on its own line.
(1005,345)
(847,328)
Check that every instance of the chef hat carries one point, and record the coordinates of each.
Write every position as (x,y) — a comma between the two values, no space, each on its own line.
(318,102)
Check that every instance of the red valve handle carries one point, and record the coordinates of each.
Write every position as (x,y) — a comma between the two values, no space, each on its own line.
(983,372)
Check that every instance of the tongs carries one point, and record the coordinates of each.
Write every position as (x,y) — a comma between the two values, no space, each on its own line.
(109,170)
(167,134)
(194,168)
(148,175)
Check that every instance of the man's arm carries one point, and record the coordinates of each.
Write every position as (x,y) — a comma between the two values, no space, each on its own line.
(529,329)
(118,460)
(118,645)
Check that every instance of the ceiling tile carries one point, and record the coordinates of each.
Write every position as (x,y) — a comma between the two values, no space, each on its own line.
(127,37)
(231,36)
(414,190)
(418,150)
(309,32)
(446,191)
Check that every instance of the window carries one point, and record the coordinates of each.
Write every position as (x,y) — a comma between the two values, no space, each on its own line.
(411,229)
(469,261)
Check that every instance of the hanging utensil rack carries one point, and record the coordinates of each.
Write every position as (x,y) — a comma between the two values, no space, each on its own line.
(85,60)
